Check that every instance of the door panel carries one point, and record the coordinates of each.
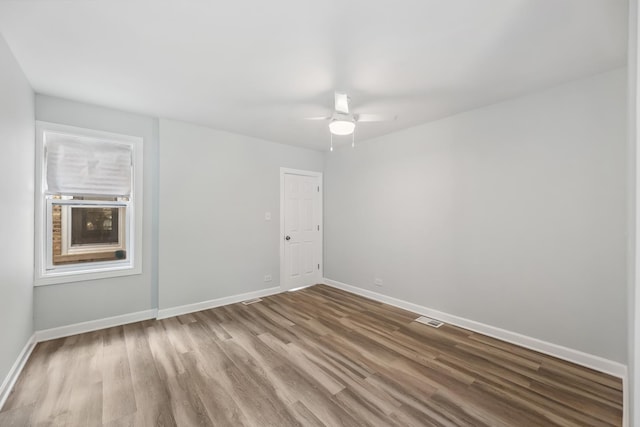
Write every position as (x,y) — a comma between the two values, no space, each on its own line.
(294,271)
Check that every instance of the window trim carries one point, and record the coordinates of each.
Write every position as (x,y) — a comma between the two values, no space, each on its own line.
(93,270)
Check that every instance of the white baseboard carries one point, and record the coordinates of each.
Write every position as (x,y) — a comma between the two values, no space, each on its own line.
(575,356)
(16,369)
(94,325)
(300,288)
(205,305)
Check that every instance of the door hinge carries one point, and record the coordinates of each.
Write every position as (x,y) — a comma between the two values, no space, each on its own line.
(318,228)
(318,266)
(318,188)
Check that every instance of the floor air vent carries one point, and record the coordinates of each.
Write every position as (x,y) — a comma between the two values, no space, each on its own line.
(429,321)
(252,301)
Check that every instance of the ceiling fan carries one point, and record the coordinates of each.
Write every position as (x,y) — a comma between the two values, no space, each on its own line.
(343,121)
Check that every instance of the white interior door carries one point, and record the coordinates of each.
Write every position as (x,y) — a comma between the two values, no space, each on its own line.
(301,227)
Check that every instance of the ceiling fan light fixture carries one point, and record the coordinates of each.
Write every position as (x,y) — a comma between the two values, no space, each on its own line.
(342,127)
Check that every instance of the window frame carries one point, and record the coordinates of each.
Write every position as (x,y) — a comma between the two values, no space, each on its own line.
(68,247)
(48,274)
(67,205)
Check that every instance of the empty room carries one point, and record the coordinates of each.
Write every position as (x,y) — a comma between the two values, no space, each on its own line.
(296,213)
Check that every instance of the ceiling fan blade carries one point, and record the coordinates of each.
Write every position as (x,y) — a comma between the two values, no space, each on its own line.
(342,102)
(318,118)
(375,118)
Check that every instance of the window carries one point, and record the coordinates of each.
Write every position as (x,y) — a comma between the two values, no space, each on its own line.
(88,223)
(87,233)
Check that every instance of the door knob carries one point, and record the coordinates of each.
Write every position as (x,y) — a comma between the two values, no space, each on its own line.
(287,238)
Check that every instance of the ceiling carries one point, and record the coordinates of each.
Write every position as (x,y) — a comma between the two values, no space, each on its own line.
(260,67)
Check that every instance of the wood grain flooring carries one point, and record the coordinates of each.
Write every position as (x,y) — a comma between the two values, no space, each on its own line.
(318,356)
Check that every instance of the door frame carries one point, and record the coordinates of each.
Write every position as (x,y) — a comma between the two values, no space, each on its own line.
(289,171)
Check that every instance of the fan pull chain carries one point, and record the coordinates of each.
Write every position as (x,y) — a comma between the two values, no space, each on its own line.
(331,149)
(353,138)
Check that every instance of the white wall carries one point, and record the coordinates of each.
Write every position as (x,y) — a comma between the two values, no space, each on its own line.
(513,215)
(16,210)
(215,188)
(65,304)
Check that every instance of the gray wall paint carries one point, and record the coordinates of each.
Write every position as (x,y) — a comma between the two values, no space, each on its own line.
(512,215)
(215,188)
(64,304)
(16,209)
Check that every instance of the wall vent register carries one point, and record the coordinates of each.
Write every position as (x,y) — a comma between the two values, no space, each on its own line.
(429,321)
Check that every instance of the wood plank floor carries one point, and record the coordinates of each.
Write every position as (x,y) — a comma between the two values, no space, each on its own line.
(318,356)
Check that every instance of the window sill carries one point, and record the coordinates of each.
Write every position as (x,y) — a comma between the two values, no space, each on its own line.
(107,272)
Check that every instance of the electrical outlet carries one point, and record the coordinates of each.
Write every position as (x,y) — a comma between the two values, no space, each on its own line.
(267,216)
(377,281)
(267,277)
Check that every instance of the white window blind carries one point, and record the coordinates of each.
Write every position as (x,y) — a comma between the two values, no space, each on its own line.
(86,166)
